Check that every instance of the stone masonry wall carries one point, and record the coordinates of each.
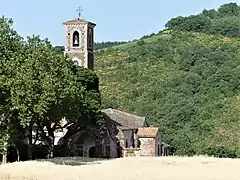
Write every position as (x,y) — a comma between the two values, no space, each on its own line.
(80,52)
(148,147)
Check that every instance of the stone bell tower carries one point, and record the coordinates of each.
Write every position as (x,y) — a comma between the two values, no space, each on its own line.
(79,41)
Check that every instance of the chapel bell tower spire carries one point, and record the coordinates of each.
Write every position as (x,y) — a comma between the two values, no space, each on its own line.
(79,41)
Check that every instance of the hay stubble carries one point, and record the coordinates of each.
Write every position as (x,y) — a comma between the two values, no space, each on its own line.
(144,168)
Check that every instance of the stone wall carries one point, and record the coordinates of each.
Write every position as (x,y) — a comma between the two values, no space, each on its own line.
(148,146)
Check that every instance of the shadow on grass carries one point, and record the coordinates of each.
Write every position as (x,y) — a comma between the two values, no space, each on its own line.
(73,161)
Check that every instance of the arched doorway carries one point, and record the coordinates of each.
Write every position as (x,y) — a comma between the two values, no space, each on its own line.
(92,152)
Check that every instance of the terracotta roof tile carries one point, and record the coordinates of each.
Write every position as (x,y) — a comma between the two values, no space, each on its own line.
(147,132)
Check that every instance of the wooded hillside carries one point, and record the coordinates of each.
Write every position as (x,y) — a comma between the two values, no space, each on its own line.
(185,80)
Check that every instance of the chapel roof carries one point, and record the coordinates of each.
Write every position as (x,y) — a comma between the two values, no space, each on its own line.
(147,132)
(123,119)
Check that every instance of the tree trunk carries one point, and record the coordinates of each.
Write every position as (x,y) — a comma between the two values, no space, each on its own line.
(51,138)
(18,155)
(4,152)
(4,158)
(51,144)
(30,141)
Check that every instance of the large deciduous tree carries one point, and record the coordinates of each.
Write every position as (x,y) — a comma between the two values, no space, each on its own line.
(39,86)
(47,88)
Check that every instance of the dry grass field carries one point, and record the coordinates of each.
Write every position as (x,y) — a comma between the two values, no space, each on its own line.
(144,168)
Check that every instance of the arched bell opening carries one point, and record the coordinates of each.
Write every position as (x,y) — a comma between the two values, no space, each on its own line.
(75,40)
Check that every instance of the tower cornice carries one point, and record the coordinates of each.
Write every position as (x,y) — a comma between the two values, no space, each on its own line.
(79,21)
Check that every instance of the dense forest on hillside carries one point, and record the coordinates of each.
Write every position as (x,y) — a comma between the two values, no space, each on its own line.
(224,21)
(185,80)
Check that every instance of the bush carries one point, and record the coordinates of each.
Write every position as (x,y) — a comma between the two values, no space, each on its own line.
(220,152)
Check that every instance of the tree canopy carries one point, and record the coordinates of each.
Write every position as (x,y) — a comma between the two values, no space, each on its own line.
(225,21)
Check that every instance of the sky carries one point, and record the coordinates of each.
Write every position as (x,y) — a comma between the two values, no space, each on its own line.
(116,20)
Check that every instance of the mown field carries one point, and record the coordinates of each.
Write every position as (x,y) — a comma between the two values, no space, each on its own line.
(144,168)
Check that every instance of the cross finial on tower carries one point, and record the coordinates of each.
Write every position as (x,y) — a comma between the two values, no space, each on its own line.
(79,10)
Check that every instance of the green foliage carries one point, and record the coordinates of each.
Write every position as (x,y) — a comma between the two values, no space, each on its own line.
(231,9)
(92,99)
(224,21)
(103,45)
(59,49)
(48,87)
(221,152)
(185,83)
(10,49)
